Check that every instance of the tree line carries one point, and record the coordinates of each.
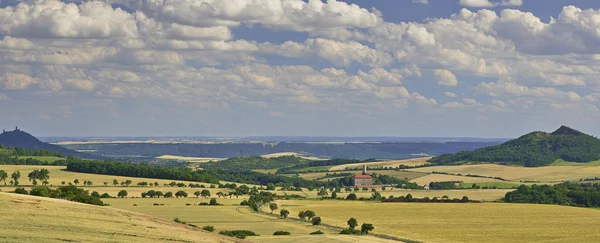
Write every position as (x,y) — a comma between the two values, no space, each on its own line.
(71,193)
(569,194)
(316,163)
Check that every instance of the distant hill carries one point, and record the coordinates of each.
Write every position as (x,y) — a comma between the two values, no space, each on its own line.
(21,139)
(533,149)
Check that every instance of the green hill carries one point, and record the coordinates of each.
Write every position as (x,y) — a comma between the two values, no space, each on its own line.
(255,162)
(533,149)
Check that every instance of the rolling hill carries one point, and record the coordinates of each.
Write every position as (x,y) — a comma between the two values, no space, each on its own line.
(37,219)
(533,149)
(21,139)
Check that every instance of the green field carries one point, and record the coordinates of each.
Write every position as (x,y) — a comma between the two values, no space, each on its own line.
(37,219)
(561,162)
(481,222)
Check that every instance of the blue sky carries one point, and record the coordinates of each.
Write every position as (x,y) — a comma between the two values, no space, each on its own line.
(477,68)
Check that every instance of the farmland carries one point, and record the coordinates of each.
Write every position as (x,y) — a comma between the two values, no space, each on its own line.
(547,174)
(36,219)
(391,163)
(42,158)
(485,222)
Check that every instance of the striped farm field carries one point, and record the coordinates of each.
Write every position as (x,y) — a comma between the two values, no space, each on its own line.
(425,180)
(470,222)
(390,163)
(398,174)
(518,173)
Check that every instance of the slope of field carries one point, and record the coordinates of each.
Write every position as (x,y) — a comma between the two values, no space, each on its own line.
(229,217)
(36,219)
(390,163)
(517,173)
(275,155)
(484,222)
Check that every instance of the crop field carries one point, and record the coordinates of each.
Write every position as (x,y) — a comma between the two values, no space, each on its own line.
(561,162)
(42,158)
(36,219)
(229,217)
(399,174)
(480,194)
(517,173)
(424,180)
(471,222)
(58,175)
(391,163)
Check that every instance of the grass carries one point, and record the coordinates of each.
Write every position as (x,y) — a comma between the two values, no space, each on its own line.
(546,174)
(266,171)
(42,158)
(390,163)
(561,162)
(36,219)
(500,185)
(485,222)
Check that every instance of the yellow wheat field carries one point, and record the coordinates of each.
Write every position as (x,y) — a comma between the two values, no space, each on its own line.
(482,222)
(37,219)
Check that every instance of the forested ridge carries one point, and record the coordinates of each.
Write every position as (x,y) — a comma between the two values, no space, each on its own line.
(14,156)
(569,194)
(331,162)
(255,162)
(533,149)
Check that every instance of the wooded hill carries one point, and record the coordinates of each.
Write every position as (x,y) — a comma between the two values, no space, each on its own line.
(21,139)
(532,150)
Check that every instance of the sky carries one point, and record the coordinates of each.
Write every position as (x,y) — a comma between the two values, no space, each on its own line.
(459,68)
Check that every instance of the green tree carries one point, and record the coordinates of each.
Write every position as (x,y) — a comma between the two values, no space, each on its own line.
(105,183)
(90,183)
(271,187)
(316,221)
(284,213)
(15,176)
(322,193)
(168,195)
(33,176)
(197,193)
(366,228)
(309,214)
(352,223)
(76,181)
(128,182)
(63,183)
(3,176)
(181,194)
(122,194)
(213,201)
(205,193)
(351,196)
(302,215)
(334,195)
(115,182)
(273,207)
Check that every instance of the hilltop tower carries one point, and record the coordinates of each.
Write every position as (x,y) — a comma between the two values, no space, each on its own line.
(364,172)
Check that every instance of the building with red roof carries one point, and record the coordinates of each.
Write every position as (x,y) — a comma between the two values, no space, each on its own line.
(363,180)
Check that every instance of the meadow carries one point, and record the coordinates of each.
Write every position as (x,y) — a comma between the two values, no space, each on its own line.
(37,219)
(480,222)
(399,174)
(42,158)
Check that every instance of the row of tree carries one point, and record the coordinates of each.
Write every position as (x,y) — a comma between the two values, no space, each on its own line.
(71,193)
(570,194)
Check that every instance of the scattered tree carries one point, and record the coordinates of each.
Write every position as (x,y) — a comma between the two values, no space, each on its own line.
(366,228)
(122,194)
(115,182)
(309,214)
(316,221)
(273,207)
(284,213)
(76,181)
(205,193)
(197,193)
(352,223)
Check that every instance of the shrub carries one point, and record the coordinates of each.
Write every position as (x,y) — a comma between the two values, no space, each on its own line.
(21,190)
(203,204)
(351,196)
(209,228)
(241,234)
(350,231)
(318,232)
(316,221)
(156,204)
(179,221)
(135,205)
(187,204)
(213,202)
(244,203)
(282,233)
